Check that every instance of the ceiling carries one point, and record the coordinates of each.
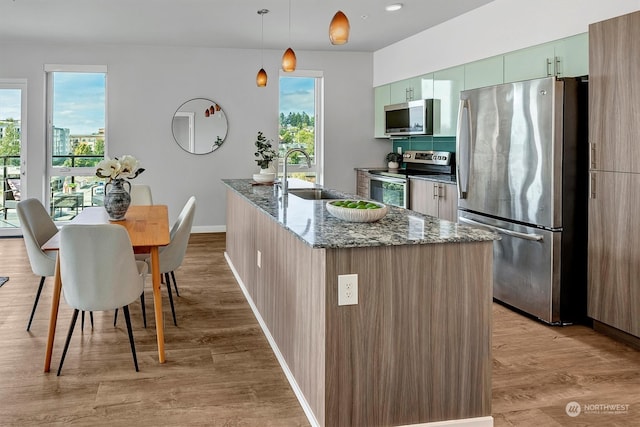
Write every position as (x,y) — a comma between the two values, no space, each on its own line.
(221,23)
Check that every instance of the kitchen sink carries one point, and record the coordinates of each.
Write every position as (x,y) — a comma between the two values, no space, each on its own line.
(314,194)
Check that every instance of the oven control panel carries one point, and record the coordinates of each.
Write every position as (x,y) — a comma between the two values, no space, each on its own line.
(428,157)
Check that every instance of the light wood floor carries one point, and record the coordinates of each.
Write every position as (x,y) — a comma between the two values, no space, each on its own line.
(220,370)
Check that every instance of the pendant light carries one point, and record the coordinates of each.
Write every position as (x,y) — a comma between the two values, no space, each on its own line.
(261,78)
(339,28)
(289,57)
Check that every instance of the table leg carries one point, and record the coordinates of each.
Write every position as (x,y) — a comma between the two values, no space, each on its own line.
(157,301)
(53,318)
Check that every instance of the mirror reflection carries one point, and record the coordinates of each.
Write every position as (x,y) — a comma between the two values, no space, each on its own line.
(199,126)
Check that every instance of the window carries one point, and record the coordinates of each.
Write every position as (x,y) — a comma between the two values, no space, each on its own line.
(13,96)
(301,122)
(76,136)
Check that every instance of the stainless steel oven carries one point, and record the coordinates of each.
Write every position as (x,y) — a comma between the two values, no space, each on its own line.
(392,186)
(389,190)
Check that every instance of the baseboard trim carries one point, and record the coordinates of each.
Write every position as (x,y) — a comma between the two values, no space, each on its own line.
(617,334)
(466,422)
(272,342)
(209,229)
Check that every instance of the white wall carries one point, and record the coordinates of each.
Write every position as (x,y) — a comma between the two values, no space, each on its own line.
(495,28)
(147,84)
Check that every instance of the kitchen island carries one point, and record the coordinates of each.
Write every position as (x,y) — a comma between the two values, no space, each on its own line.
(417,346)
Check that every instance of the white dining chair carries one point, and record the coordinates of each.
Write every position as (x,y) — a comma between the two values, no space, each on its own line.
(172,255)
(141,195)
(99,272)
(37,228)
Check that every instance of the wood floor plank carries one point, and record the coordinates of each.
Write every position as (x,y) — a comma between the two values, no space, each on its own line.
(221,371)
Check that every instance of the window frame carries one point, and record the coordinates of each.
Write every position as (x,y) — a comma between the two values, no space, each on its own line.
(61,68)
(318,167)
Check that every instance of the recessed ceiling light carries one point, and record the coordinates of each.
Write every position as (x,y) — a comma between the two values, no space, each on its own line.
(393,7)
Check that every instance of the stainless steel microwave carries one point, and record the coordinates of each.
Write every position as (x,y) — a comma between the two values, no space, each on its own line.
(420,117)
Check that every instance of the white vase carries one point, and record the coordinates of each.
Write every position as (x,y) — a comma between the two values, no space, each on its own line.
(393,165)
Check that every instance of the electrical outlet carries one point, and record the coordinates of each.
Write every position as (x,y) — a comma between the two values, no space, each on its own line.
(259,259)
(347,289)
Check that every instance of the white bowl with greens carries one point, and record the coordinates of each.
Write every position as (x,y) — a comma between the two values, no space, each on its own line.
(357,210)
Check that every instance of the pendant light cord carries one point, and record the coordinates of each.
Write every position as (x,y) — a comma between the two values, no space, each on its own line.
(289,23)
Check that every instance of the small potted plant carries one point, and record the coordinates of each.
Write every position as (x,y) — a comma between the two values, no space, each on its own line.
(394,160)
(265,154)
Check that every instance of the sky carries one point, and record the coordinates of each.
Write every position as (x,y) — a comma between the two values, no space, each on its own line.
(9,104)
(79,102)
(297,95)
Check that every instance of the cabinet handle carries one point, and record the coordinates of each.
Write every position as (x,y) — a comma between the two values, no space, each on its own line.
(435,191)
(592,186)
(549,68)
(592,156)
(557,67)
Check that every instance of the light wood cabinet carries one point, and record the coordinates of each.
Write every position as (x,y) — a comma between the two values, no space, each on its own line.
(362,183)
(614,126)
(434,198)
(415,349)
(614,251)
(614,90)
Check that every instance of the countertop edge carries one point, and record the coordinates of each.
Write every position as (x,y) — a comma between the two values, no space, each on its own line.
(332,233)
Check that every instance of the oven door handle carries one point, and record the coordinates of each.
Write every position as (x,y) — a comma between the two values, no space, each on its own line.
(387,179)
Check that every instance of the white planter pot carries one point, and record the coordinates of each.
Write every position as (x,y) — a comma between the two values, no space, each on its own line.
(270,169)
(393,165)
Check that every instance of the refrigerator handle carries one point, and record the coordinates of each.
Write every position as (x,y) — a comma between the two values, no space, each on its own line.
(526,236)
(463,142)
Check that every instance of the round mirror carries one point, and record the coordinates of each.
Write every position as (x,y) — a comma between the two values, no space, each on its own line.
(199,126)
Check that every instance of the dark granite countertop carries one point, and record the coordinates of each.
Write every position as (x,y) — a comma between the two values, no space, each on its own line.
(313,224)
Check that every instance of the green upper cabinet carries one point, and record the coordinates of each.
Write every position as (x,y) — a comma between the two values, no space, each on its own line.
(486,72)
(447,85)
(567,57)
(406,90)
(427,86)
(381,98)
(572,56)
(531,63)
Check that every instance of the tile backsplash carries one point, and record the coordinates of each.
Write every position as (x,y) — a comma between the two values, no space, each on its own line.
(434,143)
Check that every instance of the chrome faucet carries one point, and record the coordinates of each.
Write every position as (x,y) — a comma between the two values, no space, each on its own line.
(285,186)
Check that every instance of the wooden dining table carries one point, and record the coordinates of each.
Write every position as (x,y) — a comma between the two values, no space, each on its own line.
(148,228)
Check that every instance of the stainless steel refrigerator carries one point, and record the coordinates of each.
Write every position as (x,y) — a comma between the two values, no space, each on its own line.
(522,169)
